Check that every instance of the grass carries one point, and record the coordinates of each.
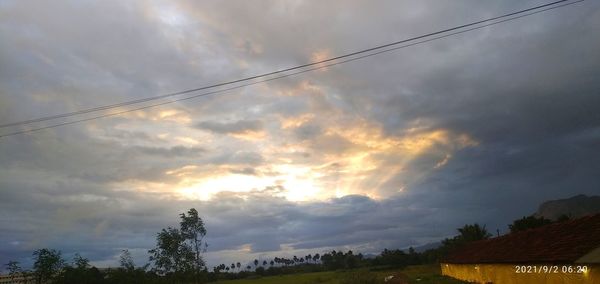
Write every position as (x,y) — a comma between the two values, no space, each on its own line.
(418,274)
(300,278)
(427,274)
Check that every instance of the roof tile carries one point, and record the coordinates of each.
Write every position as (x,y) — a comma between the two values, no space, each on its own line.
(562,242)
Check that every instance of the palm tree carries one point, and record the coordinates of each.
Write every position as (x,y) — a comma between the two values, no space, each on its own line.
(238,265)
(256,263)
(264,263)
(272,263)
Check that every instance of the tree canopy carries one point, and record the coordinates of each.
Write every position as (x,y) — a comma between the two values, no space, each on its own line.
(528,222)
(47,264)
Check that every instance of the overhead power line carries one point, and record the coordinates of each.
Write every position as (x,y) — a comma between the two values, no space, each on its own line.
(315,66)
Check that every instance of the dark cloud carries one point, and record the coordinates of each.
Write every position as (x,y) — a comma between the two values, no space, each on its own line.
(238,158)
(176,151)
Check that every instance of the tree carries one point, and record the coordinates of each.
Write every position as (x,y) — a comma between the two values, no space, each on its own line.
(193,230)
(126,260)
(260,270)
(80,262)
(528,222)
(255,263)
(47,264)
(180,251)
(14,269)
(238,265)
(219,268)
(340,260)
(264,263)
(80,272)
(469,233)
(172,253)
(563,218)
(393,258)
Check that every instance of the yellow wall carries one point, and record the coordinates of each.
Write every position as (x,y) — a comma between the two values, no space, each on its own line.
(506,274)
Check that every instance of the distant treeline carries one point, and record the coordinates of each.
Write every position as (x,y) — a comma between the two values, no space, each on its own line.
(177,258)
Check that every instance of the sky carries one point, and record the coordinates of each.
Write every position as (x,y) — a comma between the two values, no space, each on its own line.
(391,151)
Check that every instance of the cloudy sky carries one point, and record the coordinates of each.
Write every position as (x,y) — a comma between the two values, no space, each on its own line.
(392,151)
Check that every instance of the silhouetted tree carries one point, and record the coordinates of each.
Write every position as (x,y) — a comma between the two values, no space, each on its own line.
(47,264)
(528,222)
(193,230)
(126,260)
(219,268)
(340,260)
(469,233)
(260,270)
(80,272)
(563,217)
(14,269)
(179,251)
(172,253)
(80,262)
(393,258)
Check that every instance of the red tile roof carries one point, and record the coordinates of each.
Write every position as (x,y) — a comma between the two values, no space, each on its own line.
(562,242)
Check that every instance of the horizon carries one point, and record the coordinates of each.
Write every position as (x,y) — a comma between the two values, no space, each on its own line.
(392,151)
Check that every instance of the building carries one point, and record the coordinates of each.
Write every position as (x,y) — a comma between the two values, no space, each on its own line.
(565,252)
(16,279)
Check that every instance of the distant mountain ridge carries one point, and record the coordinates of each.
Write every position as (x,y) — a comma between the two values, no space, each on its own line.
(428,246)
(574,207)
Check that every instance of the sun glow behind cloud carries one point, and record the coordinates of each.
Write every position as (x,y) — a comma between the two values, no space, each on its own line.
(363,168)
(317,154)
(298,184)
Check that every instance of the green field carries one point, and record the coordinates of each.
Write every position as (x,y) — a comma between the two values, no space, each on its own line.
(425,274)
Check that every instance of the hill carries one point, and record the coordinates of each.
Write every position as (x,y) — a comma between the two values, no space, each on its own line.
(576,206)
